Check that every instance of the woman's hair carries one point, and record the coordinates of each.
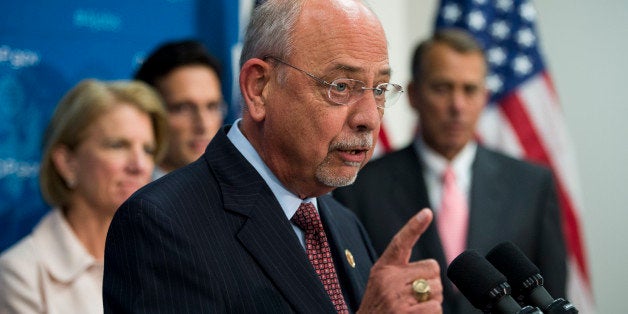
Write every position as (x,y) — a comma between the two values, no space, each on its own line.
(78,109)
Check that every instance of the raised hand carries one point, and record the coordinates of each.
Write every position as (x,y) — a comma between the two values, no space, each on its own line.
(389,289)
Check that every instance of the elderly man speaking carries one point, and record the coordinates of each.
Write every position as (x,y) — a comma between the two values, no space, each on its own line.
(250,227)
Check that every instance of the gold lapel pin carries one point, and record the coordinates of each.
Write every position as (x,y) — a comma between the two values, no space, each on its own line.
(350,258)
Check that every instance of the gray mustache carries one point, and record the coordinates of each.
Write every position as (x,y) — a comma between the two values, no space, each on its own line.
(362,142)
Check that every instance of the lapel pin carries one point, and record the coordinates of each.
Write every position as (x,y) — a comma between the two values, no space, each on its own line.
(350,258)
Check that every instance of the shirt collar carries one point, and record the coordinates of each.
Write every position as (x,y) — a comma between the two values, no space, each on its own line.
(62,253)
(158,172)
(436,163)
(289,201)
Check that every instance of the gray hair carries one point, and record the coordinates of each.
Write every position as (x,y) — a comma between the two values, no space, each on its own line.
(270,30)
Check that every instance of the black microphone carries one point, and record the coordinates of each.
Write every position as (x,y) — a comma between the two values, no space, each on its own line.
(483,285)
(525,279)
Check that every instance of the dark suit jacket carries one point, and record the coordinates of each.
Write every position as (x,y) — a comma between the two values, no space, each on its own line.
(212,238)
(509,200)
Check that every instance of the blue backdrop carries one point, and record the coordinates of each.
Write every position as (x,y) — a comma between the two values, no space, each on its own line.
(46,47)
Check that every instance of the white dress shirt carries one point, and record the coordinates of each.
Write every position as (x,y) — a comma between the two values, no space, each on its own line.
(49,271)
(434,166)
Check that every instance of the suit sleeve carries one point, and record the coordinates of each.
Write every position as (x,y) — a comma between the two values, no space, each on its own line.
(19,288)
(344,195)
(552,253)
(148,266)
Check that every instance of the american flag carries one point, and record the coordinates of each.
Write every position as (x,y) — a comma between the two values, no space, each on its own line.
(524,118)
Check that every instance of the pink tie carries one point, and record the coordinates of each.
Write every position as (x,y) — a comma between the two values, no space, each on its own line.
(318,252)
(453,217)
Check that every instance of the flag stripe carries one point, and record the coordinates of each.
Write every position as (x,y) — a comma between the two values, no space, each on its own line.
(518,117)
(516,113)
(383,140)
(494,131)
(544,110)
(572,232)
(542,103)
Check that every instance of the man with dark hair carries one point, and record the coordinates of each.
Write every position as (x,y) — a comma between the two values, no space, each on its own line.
(480,197)
(188,78)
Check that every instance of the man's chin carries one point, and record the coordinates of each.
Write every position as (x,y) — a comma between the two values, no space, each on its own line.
(336,179)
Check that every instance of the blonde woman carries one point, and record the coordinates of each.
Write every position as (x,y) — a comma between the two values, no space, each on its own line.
(101,146)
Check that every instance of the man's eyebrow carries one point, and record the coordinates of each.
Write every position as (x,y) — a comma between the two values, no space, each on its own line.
(386,71)
(352,69)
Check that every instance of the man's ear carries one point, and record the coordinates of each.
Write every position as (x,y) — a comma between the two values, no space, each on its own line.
(254,78)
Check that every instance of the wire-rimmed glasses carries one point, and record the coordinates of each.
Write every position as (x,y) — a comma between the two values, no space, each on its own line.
(346,91)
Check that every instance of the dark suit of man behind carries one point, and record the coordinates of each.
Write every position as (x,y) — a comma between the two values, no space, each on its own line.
(510,200)
(506,199)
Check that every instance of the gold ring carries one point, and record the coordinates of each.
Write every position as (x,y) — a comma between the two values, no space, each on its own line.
(421,290)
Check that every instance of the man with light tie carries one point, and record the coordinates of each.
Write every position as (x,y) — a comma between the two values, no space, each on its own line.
(480,197)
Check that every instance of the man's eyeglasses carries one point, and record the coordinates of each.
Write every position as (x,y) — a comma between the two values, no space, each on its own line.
(346,91)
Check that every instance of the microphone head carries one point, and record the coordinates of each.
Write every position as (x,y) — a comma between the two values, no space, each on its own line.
(478,280)
(522,274)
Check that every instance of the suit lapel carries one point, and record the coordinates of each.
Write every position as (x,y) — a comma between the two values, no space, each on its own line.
(487,201)
(266,233)
(277,250)
(412,193)
(352,278)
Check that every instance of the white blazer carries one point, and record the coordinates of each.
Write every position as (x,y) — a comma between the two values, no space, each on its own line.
(49,271)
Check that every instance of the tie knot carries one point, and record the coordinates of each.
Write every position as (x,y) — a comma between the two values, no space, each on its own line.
(307,218)
(449,175)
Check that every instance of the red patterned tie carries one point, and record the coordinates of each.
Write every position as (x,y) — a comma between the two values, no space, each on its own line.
(318,252)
